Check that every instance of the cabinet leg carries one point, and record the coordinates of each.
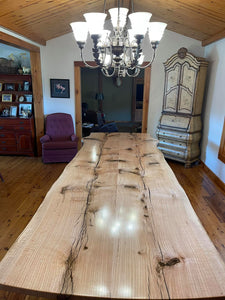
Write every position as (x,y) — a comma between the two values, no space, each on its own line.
(1,177)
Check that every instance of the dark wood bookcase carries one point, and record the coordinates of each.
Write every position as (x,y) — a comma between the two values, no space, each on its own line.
(17,130)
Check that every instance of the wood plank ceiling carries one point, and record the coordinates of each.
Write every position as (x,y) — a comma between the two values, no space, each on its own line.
(42,20)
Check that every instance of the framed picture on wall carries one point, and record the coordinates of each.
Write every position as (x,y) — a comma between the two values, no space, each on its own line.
(13,111)
(9,86)
(29,98)
(25,110)
(26,86)
(6,97)
(60,88)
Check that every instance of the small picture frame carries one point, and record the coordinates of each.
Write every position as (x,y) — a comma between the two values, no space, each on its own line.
(0,86)
(13,111)
(6,97)
(60,88)
(26,86)
(9,87)
(29,98)
(25,110)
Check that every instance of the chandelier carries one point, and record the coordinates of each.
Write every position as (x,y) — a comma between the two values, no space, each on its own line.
(118,52)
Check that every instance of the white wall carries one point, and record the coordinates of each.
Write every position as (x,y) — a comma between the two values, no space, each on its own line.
(214,112)
(57,61)
(169,45)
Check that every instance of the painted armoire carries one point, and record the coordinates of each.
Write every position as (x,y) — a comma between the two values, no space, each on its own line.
(180,126)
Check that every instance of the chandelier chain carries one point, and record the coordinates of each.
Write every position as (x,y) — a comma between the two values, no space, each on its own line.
(132,6)
(104,9)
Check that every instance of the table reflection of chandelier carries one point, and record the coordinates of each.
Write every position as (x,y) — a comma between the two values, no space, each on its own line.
(118,52)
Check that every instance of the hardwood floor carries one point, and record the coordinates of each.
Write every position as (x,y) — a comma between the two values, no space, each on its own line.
(207,199)
(27,180)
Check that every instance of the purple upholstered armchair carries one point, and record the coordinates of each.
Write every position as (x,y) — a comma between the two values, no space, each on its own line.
(59,144)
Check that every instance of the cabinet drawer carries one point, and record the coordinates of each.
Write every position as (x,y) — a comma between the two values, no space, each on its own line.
(6,142)
(5,149)
(178,122)
(6,135)
(15,124)
(174,135)
(172,144)
(173,152)
(14,127)
(179,136)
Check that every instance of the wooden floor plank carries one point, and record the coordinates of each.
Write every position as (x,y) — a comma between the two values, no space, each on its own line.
(27,180)
(207,199)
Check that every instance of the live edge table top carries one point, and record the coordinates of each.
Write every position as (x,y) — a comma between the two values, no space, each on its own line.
(116,224)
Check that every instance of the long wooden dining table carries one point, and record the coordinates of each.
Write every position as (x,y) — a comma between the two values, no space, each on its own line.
(116,224)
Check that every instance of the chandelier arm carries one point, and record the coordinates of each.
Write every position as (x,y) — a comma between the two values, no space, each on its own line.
(84,61)
(149,64)
(106,73)
(105,48)
(110,51)
(137,71)
(138,51)
(130,53)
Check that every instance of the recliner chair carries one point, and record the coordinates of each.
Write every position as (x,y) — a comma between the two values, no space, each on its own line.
(59,144)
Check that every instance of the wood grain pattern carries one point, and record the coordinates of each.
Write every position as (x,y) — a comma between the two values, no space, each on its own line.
(13,41)
(115,224)
(22,192)
(213,38)
(201,20)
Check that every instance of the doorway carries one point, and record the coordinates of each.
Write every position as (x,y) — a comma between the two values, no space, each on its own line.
(78,97)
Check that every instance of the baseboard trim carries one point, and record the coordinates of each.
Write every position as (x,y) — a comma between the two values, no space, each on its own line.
(213,176)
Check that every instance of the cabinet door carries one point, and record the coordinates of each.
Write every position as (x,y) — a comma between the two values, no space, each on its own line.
(187,88)
(171,89)
(24,142)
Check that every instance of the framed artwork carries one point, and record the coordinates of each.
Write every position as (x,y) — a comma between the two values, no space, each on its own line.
(6,97)
(60,88)
(13,111)
(0,86)
(9,86)
(29,98)
(26,86)
(25,110)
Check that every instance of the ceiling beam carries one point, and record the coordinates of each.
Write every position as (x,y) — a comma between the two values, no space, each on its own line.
(15,42)
(218,36)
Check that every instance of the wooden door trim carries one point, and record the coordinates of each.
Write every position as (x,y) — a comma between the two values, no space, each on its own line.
(78,113)
(147,77)
(77,86)
(15,42)
(221,154)
(36,81)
